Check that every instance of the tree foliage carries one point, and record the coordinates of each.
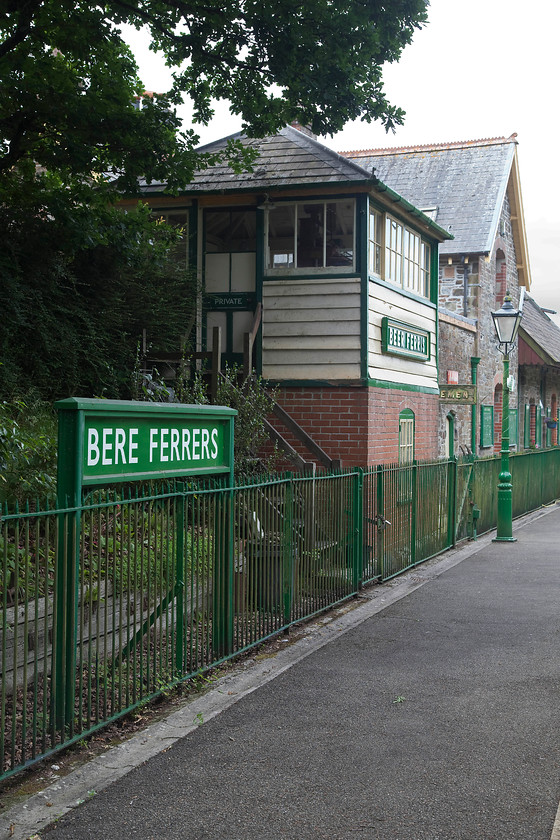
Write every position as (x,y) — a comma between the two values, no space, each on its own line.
(78,280)
(69,82)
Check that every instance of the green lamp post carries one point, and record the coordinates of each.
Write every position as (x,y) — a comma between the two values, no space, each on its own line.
(506,323)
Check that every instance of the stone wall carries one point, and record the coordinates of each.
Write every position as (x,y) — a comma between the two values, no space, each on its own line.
(472,286)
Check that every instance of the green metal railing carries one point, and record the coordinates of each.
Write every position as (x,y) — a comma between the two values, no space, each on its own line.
(166,582)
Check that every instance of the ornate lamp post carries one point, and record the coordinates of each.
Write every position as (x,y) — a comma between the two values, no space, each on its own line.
(506,323)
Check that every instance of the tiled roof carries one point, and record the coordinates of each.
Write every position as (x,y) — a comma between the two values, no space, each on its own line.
(466,181)
(289,158)
(544,333)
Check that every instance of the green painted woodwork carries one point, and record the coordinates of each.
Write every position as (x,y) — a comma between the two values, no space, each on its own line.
(400,339)
(486,425)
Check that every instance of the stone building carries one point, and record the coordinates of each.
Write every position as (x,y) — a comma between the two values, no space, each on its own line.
(539,377)
(472,189)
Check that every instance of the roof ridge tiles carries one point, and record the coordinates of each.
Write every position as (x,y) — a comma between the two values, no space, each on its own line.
(432,147)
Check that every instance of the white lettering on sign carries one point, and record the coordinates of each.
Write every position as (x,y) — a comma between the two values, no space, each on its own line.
(153,443)
(106,457)
(132,446)
(402,339)
(120,440)
(115,446)
(93,447)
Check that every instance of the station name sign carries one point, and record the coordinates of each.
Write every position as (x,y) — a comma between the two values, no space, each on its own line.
(465,394)
(401,339)
(116,441)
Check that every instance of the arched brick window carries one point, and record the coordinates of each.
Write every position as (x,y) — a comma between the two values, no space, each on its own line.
(532,422)
(406,436)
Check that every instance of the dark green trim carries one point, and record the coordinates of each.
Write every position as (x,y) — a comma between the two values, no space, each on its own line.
(193,234)
(527,426)
(450,419)
(362,245)
(486,426)
(414,211)
(351,383)
(434,274)
(399,386)
(362,186)
(259,272)
(401,327)
(514,428)
(475,361)
(301,274)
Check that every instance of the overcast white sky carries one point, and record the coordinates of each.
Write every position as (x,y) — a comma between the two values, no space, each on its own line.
(480,68)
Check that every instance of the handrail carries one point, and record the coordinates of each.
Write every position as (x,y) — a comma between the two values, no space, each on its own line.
(304,438)
(249,340)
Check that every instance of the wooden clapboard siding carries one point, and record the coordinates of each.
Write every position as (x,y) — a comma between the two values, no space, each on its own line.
(385,301)
(311,329)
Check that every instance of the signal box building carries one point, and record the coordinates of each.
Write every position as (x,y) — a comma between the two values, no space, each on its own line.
(334,276)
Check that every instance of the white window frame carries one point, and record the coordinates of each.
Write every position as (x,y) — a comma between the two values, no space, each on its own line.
(404,257)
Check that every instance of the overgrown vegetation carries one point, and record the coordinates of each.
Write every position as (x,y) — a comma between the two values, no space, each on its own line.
(75,302)
(27,451)
(250,397)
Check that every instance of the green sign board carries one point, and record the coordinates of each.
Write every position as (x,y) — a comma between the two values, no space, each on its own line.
(401,339)
(487,425)
(108,441)
(232,300)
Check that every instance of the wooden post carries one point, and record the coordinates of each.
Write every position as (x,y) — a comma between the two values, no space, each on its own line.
(216,363)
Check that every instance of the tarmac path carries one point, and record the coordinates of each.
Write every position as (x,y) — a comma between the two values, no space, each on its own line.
(437,718)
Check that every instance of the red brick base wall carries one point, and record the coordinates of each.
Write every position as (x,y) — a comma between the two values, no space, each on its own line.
(360,426)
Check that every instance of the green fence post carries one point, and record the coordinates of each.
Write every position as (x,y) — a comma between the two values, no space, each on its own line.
(288,551)
(180,579)
(222,607)
(69,496)
(380,518)
(452,502)
(414,511)
(358,542)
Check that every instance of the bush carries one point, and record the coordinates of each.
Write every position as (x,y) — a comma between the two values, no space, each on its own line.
(28,449)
